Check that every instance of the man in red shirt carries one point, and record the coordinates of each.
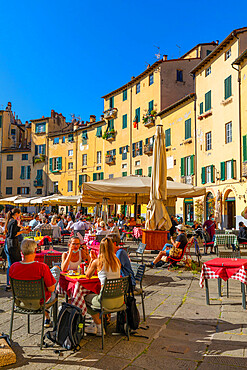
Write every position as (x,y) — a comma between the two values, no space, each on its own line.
(29,269)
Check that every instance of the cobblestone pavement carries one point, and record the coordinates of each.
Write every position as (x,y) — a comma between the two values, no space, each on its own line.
(181,331)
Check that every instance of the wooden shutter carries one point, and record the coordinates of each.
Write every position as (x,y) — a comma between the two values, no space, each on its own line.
(43,149)
(50,165)
(245,148)
(203,175)
(228,87)
(101,175)
(133,150)
(140,171)
(36,150)
(136,172)
(59,163)
(150,106)
(80,180)
(192,164)
(121,150)
(201,108)
(233,169)
(140,147)
(150,171)
(212,173)
(208,101)
(22,172)
(222,171)
(188,128)
(182,167)
(28,172)
(94,176)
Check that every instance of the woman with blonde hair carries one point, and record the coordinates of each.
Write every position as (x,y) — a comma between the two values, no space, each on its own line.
(108,267)
(56,234)
(102,230)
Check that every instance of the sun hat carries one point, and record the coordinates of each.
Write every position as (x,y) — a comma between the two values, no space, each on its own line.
(180,227)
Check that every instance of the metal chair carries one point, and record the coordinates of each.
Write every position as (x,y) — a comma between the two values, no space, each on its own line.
(139,273)
(26,300)
(50,258)
(140,251)
(224,254)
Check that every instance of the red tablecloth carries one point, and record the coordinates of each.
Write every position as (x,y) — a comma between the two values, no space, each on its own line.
(137,232)
(224,268)
(40,256)
(89,238)
(78,288)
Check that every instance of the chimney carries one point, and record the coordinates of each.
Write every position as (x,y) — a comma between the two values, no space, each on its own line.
(217,42)
(102,117)
(148,66)
(92,118)
(132,78)
(9,106)
(165,57)
(52,113)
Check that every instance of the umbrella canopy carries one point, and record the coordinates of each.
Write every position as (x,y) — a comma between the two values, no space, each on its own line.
(124,189)
(9,200)
(157,215)
(42,200)
(20,200)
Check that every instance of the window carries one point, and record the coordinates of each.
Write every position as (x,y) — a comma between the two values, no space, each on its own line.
(70,138)
(9,190)
(207,174)
(63,139)
(98,168)
(99,131)
(137,163)
(150,171)
(40,149)
(201,108)
(56,140)
(138,115)
(10,157)
(245,148)
(179,75)
(208,101)
(39,191)
(70,166)
(110,125)
(82,179)
(138,88)
(137,149)
(208,140)
(84,137)
(228,132)
(124,174)
(39,175)
(124,165)
(24,157)
(55,164)
(150,106)
(9,173)
(228,87)
(99,156)
(84,159)
(124,121)
(23,190)
(228,170)
(13,132)
(98,176)
(70,153)
(208,52)
(124,150)
(188,128)
(168,137)
(187,166)
(55,187)
(25,172)
(125,95)
(228,54)
(138,172)
(40,128)
(70,185)
(151,79)
(111,102)
(208,71)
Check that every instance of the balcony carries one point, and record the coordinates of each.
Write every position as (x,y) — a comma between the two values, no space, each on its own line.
(109,135)
(110,113)
(38,158)
(150,122)
(148,149)
(205,115)
(189,180)
(37,183)
(110,159)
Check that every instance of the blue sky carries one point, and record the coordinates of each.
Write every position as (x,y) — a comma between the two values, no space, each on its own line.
(64,55)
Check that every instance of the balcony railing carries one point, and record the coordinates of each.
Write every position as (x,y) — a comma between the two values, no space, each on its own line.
(38,158)
(188,180)
(38,183)
(109,135)
(110,159)
(148,149)
(110,113)
(150,122)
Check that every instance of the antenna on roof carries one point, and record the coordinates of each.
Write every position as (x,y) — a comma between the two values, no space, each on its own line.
(179,50)
(157,55)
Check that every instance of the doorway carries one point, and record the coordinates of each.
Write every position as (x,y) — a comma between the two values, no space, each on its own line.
(188,211)
(230,208)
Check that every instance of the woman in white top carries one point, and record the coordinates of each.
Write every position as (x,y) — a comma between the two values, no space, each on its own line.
(56,229)
(102,230)
(108,266)
(74,257)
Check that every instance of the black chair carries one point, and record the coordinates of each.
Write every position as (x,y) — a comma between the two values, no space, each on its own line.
(50,258)
(26,300)
(139,273)
(139,253)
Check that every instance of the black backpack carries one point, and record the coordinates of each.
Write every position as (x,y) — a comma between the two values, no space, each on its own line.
(69,329)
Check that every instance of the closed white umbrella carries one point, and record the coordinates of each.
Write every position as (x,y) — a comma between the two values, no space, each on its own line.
(157,215)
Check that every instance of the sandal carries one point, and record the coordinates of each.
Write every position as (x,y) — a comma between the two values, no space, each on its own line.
(7,288)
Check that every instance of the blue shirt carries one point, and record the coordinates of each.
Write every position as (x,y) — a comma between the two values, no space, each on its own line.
(33,223)
(126,269)
(61,224)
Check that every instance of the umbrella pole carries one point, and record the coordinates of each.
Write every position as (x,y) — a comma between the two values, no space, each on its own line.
(124,209)
(135,207)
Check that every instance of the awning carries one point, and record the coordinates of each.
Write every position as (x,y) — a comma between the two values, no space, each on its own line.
(9,200)
(20,200)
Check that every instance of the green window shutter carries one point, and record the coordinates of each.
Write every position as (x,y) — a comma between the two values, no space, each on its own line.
(188,128)
(228,87)
(208,101)
(212,173)
(70,137)
(150,106)
(233,169)
(101,175)
(168,137)
(138,114)
(203,175)
(50,165)
(125,95)
(80,180)
(28,172)
(0,121)
(124,174)
(245,148)
(22,172)
(136,172)
(222,171)
(124,121)
(140,171)
(150,171)
(39,175)
(59,163)
(182,169)
(99,131)
(192,160)
(111,102)
(43,149)
(94,176)
(111,125)
(201,108)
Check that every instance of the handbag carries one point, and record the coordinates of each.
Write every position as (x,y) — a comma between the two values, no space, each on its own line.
(132,310)
(38,236)
(175,252)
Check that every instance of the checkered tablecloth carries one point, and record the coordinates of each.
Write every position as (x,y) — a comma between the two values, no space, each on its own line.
(77,295)
(89,238)
(226,239)
(137,232)
(215,272)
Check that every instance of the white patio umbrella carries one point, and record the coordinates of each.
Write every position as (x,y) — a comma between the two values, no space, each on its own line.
(157,215)
(9,200)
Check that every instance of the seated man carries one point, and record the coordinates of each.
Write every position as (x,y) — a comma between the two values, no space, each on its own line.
(242,236)
(126,268)
(29,269)
(179,243)
(35,221)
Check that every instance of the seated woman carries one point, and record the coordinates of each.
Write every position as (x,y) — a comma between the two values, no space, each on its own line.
(108,266)
(103,230)
(74,257)
(56,229)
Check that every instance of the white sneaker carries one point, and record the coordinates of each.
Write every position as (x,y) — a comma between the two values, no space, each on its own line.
(99,330)
(91,329)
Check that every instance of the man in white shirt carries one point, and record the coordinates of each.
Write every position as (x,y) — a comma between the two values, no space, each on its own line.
(70,223)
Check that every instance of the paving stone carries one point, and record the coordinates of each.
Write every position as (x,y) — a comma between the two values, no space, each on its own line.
(127,349)
(146,361)
(112,363)
(223,362)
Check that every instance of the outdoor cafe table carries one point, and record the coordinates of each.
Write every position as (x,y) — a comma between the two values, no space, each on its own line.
(225,268)
(137,232)
(77,286)
(89,238)
(40,256)
(226,239)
